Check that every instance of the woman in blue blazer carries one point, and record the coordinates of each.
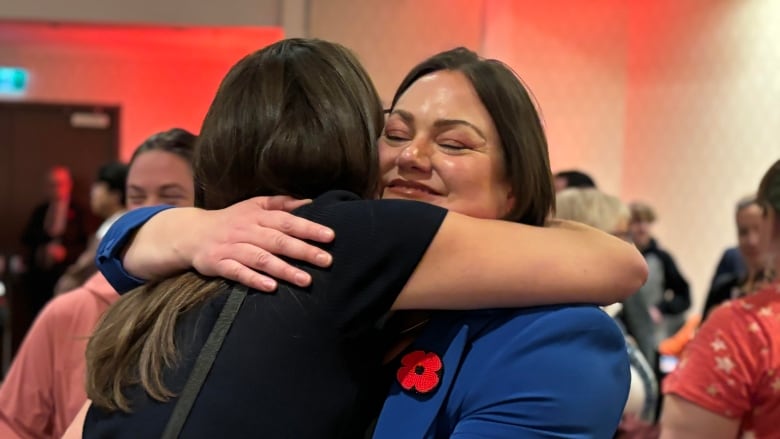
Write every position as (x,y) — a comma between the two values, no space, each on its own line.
(546,372)
(460,134)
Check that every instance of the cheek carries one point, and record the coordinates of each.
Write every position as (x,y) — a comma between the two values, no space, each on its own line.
(477,188)
(387,157)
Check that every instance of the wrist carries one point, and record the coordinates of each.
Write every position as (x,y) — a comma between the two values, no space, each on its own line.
(185,225)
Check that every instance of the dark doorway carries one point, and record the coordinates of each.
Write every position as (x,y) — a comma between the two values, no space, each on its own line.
(33,138)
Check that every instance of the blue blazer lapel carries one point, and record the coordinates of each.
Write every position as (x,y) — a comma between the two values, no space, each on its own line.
(408,414)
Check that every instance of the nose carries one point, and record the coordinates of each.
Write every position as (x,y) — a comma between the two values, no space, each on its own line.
(151,200)
(753,239)
(415,157)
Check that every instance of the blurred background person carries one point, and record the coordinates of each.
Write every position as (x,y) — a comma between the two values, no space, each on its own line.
(45,386)
(607,213)
(666,292)
(107,201)
(728,382)
(54,237)
(741,273)
(572,178)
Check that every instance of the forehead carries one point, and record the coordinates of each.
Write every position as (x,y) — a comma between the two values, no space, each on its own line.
(750,213)
(157,168)
(445,95)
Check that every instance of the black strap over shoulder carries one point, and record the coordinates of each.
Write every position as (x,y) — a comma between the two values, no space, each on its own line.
(204,362)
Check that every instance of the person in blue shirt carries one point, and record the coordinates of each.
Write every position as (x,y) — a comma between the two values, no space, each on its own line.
(454,138)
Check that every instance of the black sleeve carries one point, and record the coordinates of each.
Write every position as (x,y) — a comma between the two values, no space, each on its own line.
(719,293)
(377,247)
(75,237)
(730,264)
(33,233)
(674,282)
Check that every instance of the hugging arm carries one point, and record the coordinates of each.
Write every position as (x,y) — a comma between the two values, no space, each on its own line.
(509,264)
(156,242)
(478,263)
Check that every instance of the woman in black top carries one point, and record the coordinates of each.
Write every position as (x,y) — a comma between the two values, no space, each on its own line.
(300,118)
(749,216)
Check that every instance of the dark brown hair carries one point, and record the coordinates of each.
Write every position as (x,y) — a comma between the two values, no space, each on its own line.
(299,118)
(517,121)
(769,189)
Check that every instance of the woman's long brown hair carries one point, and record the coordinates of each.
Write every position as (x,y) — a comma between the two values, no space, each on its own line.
(298,118)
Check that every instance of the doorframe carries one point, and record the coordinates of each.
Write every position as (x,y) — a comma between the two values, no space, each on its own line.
(113,109)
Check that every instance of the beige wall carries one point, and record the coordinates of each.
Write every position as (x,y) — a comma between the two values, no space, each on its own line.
(392,36)
(703,118)
(574,63)
(214,13)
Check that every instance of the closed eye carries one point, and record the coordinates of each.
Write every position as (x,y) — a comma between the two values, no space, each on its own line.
(396,137)
(454,147)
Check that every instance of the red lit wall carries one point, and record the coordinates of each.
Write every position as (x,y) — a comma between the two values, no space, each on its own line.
(573,60)
(160,76)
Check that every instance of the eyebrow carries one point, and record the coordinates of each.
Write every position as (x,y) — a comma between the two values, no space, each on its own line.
(161,188)
(409,118)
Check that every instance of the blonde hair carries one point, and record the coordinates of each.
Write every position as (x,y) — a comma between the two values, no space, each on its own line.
(642,212)
(592,207)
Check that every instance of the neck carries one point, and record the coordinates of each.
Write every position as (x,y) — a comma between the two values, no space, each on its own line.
(113,211)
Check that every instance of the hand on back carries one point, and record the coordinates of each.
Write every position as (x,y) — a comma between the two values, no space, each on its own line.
(245,243)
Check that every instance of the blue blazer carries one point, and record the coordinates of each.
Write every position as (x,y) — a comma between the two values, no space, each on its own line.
(546,372)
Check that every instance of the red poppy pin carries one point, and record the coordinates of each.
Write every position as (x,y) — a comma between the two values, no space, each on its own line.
(420,371)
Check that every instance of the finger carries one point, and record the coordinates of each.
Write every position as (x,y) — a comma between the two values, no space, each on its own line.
(235,271)
(268,264)
(279,243)
(277,202)
(294,204)
(295,226)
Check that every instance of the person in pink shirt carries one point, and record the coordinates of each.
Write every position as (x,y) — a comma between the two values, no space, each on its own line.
(44,388)
(728,382)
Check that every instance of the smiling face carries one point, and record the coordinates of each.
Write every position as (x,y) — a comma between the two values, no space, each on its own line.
(159,177)
(441,146)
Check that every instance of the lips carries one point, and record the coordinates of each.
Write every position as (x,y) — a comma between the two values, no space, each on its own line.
(410,188)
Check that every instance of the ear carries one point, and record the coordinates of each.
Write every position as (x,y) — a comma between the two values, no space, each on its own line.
(117,197)
(509,202)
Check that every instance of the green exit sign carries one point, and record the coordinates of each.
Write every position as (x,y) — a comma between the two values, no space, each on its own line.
(13,80)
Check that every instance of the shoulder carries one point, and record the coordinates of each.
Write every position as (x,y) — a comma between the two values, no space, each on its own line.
(549,331)
(757,314)
(349,215)
(74,312)
(562,367)
(731,255)
(348,202)
(554,319)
